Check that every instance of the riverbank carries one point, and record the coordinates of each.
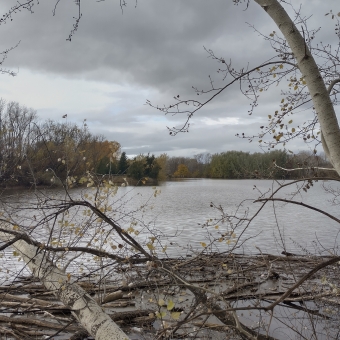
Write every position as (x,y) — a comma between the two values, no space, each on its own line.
(118,180)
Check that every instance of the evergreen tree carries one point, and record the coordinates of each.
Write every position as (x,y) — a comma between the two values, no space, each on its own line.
(123,163)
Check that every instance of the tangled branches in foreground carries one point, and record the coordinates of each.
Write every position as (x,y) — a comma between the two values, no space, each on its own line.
(148,304)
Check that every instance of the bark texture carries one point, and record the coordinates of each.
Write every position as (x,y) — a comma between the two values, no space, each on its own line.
(316,86)
(85,309)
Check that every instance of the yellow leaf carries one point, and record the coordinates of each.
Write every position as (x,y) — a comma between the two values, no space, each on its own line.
(150,246)
(175,315)
(296,87)
(160,315)
(216,226)
(229,271)
(203,244)
(290,122)
(281,66)
(293,130)
(270,116)
(278,137)
(282,100)
(170,305)
(161,302)
(15,253)
(15,227)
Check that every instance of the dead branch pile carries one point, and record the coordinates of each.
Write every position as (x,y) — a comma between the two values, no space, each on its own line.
(144,299)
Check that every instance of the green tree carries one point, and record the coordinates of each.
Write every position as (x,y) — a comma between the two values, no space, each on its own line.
(152,168)
(137,169)
(144,166)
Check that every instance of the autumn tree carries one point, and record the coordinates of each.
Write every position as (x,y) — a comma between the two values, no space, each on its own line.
(36,152)
(182,171)
(162,162)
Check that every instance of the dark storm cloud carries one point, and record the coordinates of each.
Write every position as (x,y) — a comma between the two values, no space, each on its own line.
(158,44)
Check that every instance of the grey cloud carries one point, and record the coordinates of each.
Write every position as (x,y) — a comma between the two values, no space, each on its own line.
(157,47)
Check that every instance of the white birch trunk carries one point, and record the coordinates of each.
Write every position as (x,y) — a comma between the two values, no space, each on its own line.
(85,309)
(324,108)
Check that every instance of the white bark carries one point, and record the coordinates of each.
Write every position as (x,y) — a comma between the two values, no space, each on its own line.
(316,86)
(85,309)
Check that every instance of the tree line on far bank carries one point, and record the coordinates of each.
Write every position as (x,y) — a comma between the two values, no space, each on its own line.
(47,152)
(245,165)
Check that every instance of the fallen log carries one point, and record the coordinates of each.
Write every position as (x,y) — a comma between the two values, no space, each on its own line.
(84,308)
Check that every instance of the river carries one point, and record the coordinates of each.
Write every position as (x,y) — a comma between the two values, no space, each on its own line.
(181,208)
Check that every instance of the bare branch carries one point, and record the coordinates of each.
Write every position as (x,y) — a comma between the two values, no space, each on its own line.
(308,168)
(299,203)
(331,85)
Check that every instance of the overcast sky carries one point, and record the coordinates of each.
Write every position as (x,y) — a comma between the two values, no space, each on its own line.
(153,51)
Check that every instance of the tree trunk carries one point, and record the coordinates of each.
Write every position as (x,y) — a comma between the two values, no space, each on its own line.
(323,105)
(85,309)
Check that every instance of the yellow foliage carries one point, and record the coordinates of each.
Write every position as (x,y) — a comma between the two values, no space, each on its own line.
(170,305)
(182,171)
(175,315)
